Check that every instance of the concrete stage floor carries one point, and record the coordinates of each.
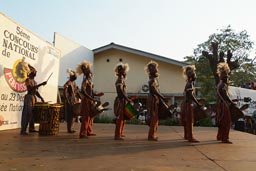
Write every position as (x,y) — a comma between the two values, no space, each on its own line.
(66,152)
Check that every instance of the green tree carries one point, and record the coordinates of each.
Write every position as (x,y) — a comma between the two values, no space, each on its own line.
(227,40)
(245,74)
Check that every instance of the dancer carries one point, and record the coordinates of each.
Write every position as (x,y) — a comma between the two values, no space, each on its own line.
(121,99)
(154,98)
(27,116)
(87,100)
(223,104)
(187,113)
(71,97)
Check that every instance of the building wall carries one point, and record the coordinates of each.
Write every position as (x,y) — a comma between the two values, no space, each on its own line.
(170,80)
(72,54)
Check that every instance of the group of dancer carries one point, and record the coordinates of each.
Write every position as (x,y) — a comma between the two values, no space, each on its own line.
(87,100)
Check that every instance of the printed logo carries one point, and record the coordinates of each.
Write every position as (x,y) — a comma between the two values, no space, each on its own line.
(1,120)
(16,76)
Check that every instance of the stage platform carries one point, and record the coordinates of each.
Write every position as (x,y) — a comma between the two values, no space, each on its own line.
(66,152)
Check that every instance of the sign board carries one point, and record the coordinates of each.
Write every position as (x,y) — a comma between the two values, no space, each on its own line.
(18,44)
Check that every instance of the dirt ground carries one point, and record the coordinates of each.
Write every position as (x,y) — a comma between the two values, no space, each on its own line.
(66,152)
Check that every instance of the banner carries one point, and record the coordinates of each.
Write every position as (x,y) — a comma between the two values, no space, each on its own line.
(17,44)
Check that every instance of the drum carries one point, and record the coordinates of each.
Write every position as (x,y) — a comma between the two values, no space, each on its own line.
(40,109)
(199,113)
(236,113)
(130,112)
(76,109)
(49,122)
(163,110)
(98,108)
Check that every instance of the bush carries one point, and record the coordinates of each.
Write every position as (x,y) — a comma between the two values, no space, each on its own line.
(204,122)
(103,119)
(107,119)
(169,122)
(134,121)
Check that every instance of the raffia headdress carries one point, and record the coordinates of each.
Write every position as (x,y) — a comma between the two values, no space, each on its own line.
(149,65)
(71,72)
(121,66)
(86,64)
(188,70)
(223,69)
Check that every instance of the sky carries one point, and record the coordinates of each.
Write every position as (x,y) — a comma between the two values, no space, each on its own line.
(170,28)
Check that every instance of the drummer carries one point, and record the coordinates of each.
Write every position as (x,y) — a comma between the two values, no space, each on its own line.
(223,104)
(27,116)
(121,99)
(187,113)
(71,97)
(87,99)
(153,98)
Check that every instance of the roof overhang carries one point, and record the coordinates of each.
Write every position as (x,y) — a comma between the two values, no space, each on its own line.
(139,52)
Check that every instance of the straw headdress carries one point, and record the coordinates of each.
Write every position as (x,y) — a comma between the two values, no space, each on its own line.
(86,64)
(120,67)
(71,72)
(188,70)
(150,65)
(223,69)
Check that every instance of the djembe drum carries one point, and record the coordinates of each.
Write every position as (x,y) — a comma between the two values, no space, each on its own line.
(98,108)
(49,122)
(163,110)
(129,111)
(40,109)
(76,109)
(199,113)
(236,113)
